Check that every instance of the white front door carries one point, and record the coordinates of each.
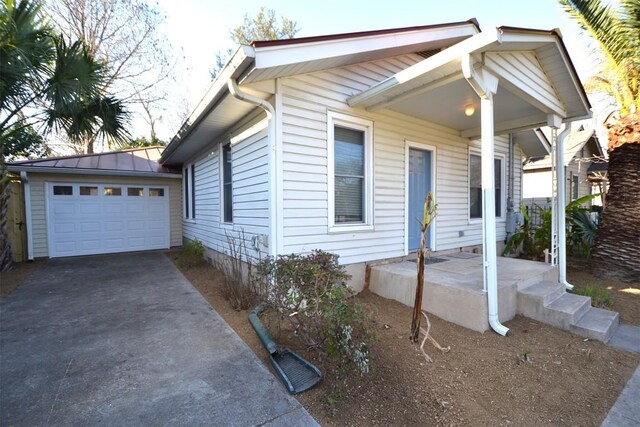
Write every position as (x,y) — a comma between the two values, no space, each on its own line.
(88,218)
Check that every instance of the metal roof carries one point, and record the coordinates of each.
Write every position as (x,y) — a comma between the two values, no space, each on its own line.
(137,161)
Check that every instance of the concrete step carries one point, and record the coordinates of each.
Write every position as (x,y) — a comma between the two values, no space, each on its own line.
(566,310)
(533,298)
(596,324)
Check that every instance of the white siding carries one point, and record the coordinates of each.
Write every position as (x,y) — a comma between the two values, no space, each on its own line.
(250,194)
(39,212)
(306,99)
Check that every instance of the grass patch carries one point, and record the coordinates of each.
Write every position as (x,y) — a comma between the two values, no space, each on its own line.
(599,297)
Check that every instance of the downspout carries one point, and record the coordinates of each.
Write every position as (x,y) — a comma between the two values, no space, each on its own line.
(271,132)
(27,213)
(485,85)
(560,207)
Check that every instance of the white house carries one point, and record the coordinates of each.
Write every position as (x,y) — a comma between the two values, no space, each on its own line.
(582,152)
(332,142)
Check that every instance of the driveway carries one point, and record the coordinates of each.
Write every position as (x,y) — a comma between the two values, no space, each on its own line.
(126,340)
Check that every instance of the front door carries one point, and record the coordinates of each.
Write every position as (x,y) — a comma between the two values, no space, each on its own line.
(419,186)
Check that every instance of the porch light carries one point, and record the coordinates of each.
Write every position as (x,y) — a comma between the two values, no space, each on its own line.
(469,109)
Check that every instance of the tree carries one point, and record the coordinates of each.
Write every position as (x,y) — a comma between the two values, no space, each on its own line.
(264,26)
(46,83)
(125,35)
(615,27)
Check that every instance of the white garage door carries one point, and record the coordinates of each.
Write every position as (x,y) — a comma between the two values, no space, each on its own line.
(87,219)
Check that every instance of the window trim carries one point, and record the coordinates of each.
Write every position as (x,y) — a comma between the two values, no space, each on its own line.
(357,123)
(221,176)
(503,189)
(189,192)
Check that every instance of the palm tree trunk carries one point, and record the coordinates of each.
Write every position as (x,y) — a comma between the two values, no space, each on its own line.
(6,258)
(617,246)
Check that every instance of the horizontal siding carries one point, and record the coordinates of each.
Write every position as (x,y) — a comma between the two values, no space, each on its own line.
(250,180)
(306,99)
(39,212)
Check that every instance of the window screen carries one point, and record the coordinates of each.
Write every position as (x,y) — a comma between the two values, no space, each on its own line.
(349,175)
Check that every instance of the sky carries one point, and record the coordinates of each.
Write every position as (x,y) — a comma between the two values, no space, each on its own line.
(197,29)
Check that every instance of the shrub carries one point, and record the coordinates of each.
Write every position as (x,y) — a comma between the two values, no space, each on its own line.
(192,254)
(240,286)
(599,297)
(310,293)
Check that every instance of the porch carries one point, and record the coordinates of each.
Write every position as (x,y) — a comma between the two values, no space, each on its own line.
(453,291)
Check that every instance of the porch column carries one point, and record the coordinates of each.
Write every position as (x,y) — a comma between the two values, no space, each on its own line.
(485,85)
(559,208)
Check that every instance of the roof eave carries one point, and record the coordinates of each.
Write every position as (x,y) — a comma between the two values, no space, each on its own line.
(241,60)
(100,172)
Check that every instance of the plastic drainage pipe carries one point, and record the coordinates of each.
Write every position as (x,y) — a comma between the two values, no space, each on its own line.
(261,331)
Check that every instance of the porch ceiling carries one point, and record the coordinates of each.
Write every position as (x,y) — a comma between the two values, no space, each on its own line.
(536,79)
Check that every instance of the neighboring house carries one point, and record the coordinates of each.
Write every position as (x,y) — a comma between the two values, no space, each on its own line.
(582,152)
(100,203)
(332,142)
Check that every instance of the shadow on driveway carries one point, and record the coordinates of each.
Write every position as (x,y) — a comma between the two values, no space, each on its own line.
(126,340)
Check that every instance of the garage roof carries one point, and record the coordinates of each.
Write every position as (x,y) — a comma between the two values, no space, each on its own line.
(134,162)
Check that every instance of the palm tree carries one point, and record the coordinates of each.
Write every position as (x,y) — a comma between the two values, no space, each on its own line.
(46,83)
(616,28)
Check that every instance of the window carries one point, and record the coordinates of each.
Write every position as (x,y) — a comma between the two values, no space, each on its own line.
(112,191)
(189,196)
(575,186)
(135,191)
(63,190)
(350,172)
(88,191)
(156,192)
(227,185)
(475,186)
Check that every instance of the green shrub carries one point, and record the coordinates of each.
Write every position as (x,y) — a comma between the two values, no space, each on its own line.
(599,297)
(310,292)
(192,254)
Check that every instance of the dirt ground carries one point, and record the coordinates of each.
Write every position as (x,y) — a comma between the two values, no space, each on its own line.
(9,280)
(484,380)
(626,296)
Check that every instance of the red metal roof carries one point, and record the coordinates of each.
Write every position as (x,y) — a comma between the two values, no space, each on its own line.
(136,160)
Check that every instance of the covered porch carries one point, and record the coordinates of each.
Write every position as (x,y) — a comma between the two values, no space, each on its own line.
(518,80)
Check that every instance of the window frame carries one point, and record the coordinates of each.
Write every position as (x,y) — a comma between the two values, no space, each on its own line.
(222,183)
(357,123)
(188,192)
(503,189)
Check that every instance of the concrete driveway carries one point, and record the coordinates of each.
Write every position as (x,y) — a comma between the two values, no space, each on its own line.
(126,340)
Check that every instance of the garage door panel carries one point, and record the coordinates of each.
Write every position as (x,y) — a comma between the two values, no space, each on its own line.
(97,223)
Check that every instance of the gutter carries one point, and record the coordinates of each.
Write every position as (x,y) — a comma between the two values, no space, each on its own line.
(76,171)
(27,213)
(272,148)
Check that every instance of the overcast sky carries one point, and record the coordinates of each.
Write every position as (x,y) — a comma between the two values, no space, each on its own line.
(200,28)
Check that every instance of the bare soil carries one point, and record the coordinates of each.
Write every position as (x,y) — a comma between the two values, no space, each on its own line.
(10,280)
(538,375)
(626,295)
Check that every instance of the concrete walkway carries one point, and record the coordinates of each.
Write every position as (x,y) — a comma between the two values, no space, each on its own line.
(626,410)
(126,340)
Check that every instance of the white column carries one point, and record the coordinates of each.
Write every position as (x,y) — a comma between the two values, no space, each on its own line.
(561,202)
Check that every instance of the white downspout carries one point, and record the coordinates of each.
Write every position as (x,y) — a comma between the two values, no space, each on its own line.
(560,208)
(271,132)
(485,85)
(27,213)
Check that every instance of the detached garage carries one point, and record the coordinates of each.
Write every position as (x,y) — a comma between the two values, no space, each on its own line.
(100,203)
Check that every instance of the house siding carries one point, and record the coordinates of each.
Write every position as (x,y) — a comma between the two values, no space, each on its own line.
(250,181)
(306,100)
(39,211)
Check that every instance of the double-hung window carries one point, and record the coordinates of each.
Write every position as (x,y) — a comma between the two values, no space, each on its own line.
(227,185)
(475,185)
(189,191)
(350,169)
